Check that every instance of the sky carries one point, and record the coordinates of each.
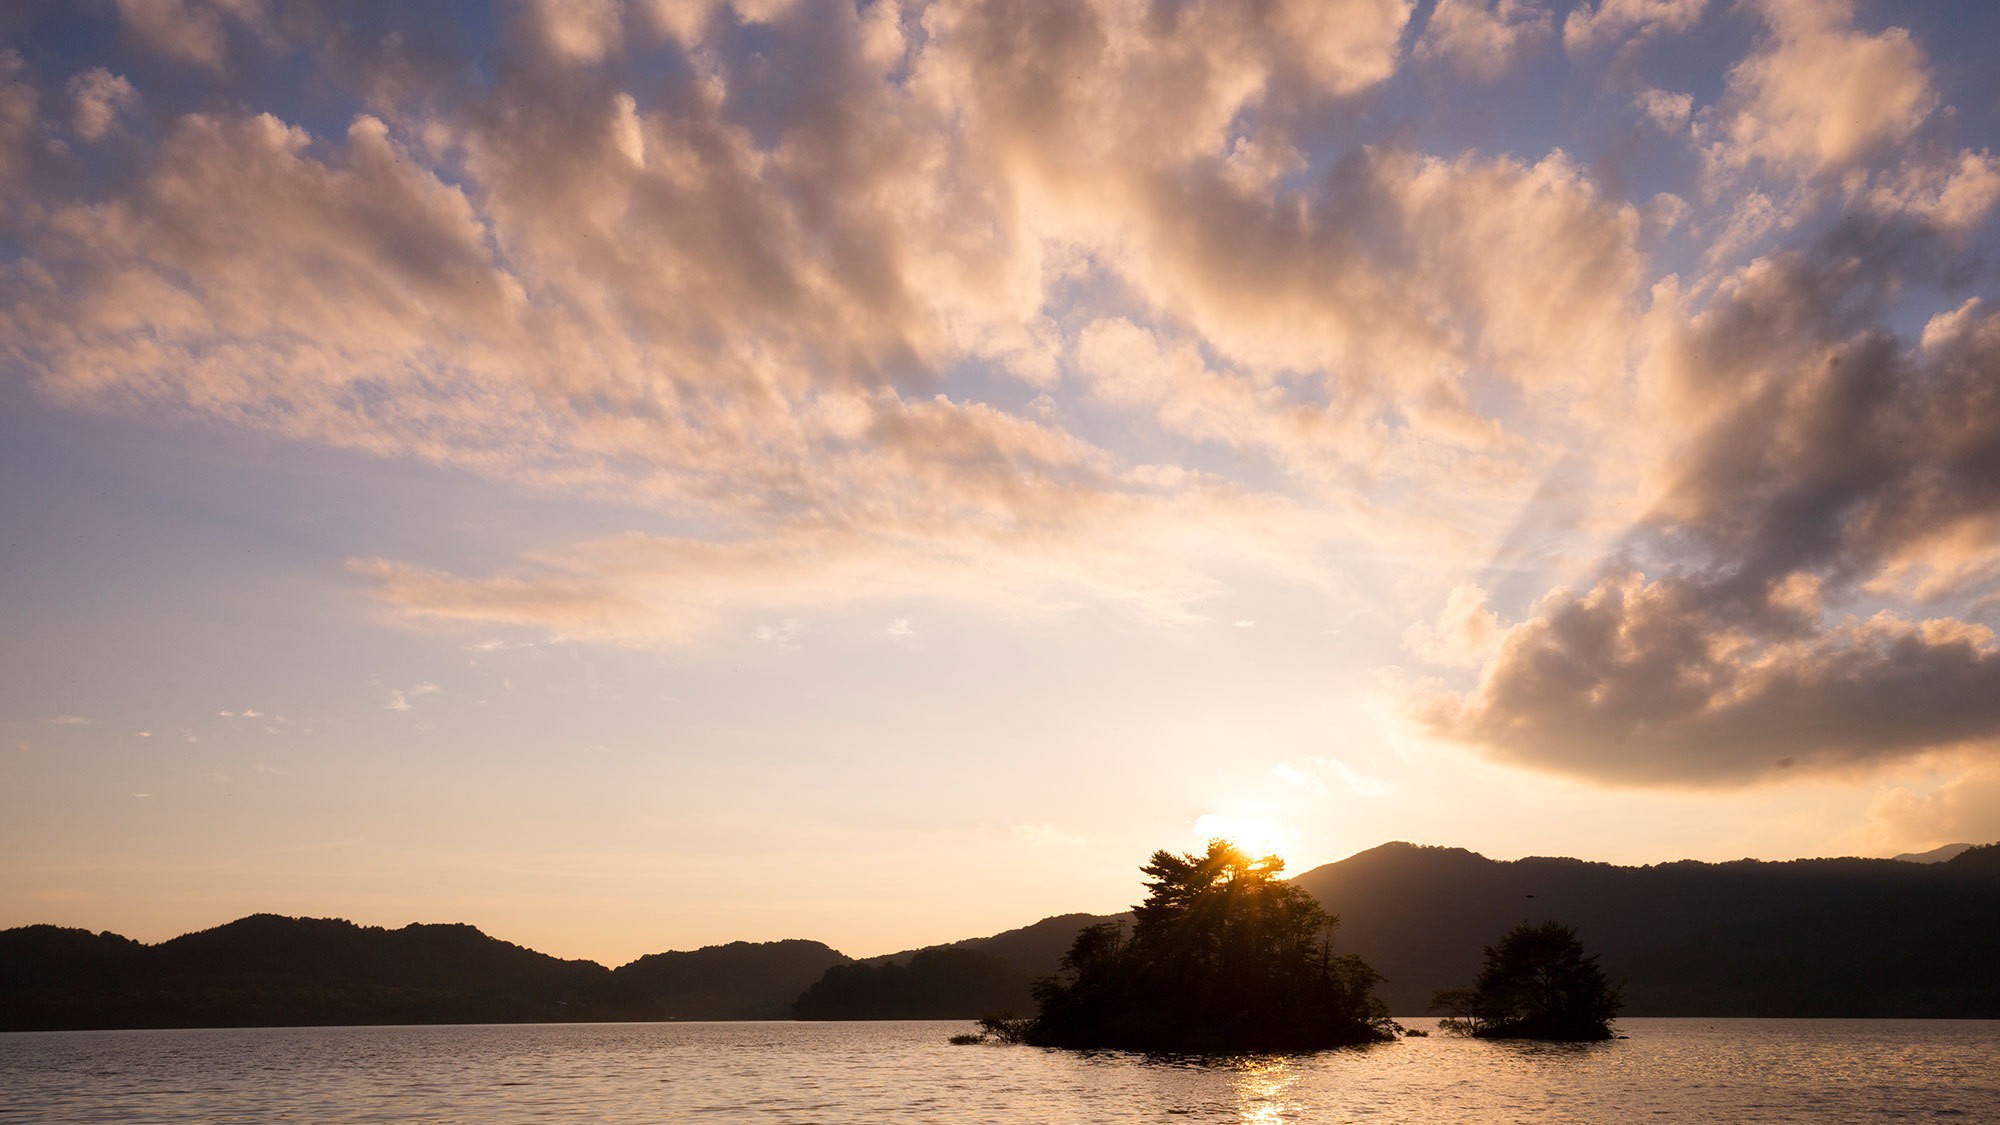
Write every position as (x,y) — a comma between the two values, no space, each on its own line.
(633,476)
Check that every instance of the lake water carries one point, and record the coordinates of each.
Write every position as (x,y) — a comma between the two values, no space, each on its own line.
(1668,1070)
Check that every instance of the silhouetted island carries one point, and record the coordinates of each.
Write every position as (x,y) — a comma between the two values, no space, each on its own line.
(1537,983)
(1223,956)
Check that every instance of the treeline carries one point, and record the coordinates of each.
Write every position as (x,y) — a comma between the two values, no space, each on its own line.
(267,970)
(1836,937)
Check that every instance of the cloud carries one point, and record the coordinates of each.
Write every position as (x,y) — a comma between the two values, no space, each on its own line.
(70,721)
(1966,808)
(1824,464)
(1668,110)
(403,699)
(1951,194)
(1463,634)
(1319,774)
(1637,682)
(1019,307)
(644,294)
(97,99)
(1593,23)
(783,636)
(1024,546)
(1484,39)
(1821,94)
(194,32)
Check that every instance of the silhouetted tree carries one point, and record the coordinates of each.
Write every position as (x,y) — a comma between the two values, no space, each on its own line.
(1536,984)
(1223,956)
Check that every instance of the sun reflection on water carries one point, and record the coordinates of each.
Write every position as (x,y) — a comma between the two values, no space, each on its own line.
(1263,1087)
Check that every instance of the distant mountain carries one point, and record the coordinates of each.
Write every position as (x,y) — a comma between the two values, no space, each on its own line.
(1810,937)
(943,983)
(962,980)
(269,970)
(265,970)
(1816,937)
(1033,949)
(1935,855)
(738,981)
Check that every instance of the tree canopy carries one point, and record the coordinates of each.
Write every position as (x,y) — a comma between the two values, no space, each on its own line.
(1537,983)
(1222,956)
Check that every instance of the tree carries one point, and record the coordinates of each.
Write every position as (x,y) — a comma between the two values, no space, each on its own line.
(1537,983)
(1222,956)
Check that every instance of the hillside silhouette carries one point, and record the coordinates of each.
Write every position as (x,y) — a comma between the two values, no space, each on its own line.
(267,970)
(1808,937)
(1816,937)
(932,984)
(739,981)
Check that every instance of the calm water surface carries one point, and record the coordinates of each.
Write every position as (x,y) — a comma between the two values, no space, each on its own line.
(1669,1070)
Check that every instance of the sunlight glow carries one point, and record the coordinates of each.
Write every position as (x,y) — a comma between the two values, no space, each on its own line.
(1257,835)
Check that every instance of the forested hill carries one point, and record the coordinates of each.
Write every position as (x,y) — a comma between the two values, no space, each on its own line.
(1815,937)
(1809,937)
(270,970)
(739,981)
(1821,937)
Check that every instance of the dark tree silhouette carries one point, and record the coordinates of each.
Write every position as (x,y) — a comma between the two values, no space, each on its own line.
(1223,956)
(1536,984)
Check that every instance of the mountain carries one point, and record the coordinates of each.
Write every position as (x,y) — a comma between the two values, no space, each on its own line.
(739,981)
(1815,937)
(963,979)
(1810,937)
(268,970)
(1935,855)
(1033,949)
(942,983)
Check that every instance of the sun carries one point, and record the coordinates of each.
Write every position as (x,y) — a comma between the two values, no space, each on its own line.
(1257,835)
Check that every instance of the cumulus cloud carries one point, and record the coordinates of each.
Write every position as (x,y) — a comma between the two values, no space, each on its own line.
(1952,194)
(1668,110)
(1593,23)
(1821,93)
(1484,39)
(194,32)
(1022,306)
(568,286)
(1463,634)
(97,99)
(1826,465)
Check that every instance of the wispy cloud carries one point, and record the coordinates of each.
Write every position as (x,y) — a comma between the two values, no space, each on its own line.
(404,699)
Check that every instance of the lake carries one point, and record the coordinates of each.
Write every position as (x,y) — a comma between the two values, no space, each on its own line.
(1668,1070)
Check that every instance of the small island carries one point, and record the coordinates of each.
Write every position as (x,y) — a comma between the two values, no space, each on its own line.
(1537,983)
(1222,957)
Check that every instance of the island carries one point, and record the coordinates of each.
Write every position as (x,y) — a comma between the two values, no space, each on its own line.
(1223,956)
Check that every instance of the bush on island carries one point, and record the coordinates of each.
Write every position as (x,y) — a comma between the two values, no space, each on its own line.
(1537,983)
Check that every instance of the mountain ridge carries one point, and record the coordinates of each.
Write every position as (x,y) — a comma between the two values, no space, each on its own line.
(1841,936)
